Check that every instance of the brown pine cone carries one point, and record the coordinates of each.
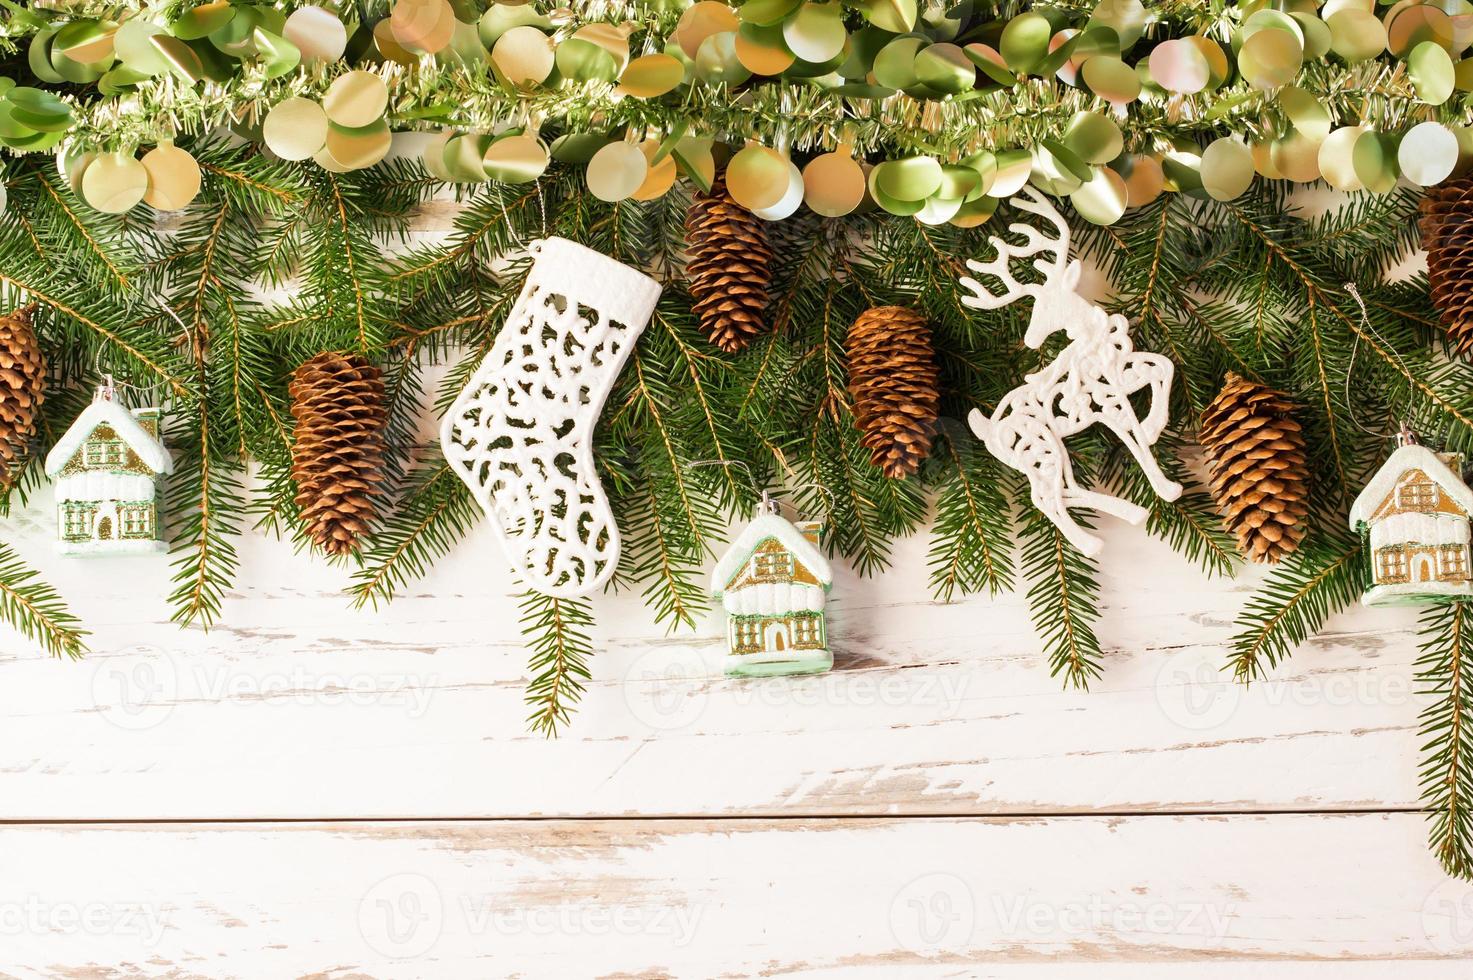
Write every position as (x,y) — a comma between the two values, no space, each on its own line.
(728,266)
(337,452)
(22,389)
(1446,225)
(1259,468)
(894,382)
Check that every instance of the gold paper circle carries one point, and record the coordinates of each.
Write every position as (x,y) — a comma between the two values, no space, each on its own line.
(295,128)
(1227,169)
(173,177)
(1145,182)
(1263,160)
(757,177)
(389,46)
(652,76)
(356,99)
(515,159)
(661,176)
(700,21)
(1271,58)
(1297,157)
(1013,168)
(1101,199)
(422,25)
(761,50)
(790,201)
(325,160)
(433,156)
(617,171)
(317,33)
(355,149)
(1337,159)
(114,183)
(524,55)
(833,184)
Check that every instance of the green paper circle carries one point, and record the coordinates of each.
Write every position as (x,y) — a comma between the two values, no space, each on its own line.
(1024,41)
(1430,68)
(945,68)
(1094,137)
(912,179)
(1226,169)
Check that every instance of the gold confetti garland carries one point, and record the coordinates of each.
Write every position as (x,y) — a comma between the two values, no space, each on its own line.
(1109,104)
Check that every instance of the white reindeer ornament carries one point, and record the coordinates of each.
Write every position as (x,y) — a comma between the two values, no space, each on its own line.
(1090,381)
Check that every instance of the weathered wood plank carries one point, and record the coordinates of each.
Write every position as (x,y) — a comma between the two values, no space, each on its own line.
(298,706)
(1277,896)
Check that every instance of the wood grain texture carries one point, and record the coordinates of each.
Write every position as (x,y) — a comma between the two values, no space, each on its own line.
(934,807)
(298,706)
(1289,895)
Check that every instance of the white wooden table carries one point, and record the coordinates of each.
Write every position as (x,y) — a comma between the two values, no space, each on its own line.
(313,790)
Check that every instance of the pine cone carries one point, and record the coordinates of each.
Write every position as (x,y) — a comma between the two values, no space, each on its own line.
(22,389)
(1447,235)
(337,454)
(893,380)
(1260,472)
(729,267)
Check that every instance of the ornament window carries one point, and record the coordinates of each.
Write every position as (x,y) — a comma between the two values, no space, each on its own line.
(94,454)
(1393,564)
(76,522)
(1454,560)
(1419,496)
(135,521)
(774,564)
(806,629)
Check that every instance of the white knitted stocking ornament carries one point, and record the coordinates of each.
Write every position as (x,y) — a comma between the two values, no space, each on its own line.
(521,433)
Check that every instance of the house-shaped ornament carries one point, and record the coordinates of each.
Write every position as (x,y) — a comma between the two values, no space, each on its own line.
(1416,514)
(773,584)
(106,470)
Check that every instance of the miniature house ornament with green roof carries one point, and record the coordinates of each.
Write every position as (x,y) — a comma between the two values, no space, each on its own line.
(106,471)
(774,584)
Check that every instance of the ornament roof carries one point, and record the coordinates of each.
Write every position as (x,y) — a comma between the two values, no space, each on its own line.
(766,526)
(1406,458)
(124,423)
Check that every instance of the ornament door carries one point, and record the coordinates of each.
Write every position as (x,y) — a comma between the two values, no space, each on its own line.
(104,529)
(1422,569)
(777,640)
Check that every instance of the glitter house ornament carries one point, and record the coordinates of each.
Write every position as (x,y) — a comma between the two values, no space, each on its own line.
(1415,514)
(774,583)
(107,469)
(521,433)
(1090,382)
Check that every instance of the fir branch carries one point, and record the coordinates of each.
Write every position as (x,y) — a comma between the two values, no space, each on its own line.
(1444,674)
(556,631)
(1063,595)
(36,611)
(1323,577)
(436,513)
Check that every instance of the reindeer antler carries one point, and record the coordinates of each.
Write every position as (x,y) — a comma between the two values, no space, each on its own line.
(1035,243)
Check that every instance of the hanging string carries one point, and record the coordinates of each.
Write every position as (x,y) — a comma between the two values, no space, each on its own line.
(1403,434)
(109,388)
(511,226)
(766,505)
